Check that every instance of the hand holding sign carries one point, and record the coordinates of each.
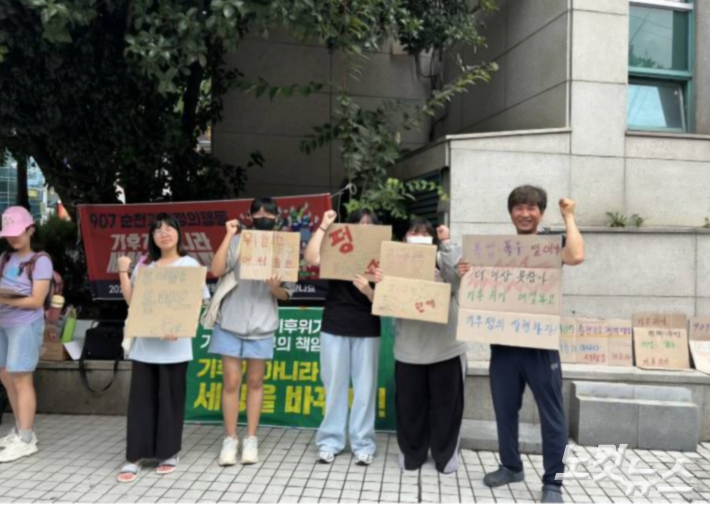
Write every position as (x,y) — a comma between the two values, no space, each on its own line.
(462,268)
(363,285)
(274,282)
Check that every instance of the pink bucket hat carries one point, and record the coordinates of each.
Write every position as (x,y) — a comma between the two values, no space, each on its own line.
(15,220)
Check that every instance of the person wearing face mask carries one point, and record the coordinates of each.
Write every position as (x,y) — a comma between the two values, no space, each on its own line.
(244,330)
(350,346)
(430,368)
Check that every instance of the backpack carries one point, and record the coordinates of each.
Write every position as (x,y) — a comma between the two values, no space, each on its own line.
(56,284)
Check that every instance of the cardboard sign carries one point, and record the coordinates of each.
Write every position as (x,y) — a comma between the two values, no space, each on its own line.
(512,290)
(699,340)
(264,254)
(350,250)
(660,320)
(530,251)
(402,260)
(568,340)
(659,348)
(621,353)
(699,328)
(516,329)
(592,340)
(514,282)
(412,299)
(166,301)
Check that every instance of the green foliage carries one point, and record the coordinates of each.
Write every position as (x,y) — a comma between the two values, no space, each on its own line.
(91,116)
(101,92)
(619,220)
(616,220)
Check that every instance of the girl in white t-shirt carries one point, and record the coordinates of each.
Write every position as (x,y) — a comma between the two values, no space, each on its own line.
(156,402)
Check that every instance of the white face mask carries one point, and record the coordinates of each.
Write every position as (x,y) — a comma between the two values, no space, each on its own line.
(420,240)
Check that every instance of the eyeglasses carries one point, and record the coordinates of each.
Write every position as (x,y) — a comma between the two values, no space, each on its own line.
(164,231)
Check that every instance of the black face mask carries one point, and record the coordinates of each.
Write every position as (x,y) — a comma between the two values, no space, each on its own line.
(264,223)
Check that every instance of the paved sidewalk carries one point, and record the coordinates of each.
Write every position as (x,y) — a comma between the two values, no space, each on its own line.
(80,456)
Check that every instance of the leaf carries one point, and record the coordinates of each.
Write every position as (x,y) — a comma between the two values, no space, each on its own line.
(228,11)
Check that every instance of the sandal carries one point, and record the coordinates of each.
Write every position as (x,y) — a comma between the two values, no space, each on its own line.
(165,467)
(128,473)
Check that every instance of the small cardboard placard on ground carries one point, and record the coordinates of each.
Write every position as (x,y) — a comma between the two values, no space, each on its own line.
(516,329)
(417,300)
(267,253)
(350,250)
(700,343)
(568,340)
(660,320)
(592,340)
(166,301)
(414,261)
(661,348)
(621,352)
(529,251)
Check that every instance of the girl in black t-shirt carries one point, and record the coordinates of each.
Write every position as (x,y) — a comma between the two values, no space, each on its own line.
(350,345)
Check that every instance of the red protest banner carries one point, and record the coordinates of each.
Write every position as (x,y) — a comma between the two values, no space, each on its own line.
(112,231)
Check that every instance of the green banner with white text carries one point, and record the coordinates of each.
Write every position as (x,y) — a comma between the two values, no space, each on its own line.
(293,392)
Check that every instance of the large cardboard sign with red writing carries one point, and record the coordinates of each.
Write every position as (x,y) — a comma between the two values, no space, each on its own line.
(512,294)
(417,300)
(350,250)
(266,254)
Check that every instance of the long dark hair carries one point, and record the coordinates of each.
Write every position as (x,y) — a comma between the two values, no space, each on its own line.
(422,226)
(359,214)
(161,219)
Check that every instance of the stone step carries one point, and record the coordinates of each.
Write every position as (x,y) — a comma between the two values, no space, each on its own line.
(483,436)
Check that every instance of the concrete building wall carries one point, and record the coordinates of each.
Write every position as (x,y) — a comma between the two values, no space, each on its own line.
(702,67)
(277,127)
(530,43)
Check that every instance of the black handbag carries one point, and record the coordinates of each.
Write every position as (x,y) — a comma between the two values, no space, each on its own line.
(102,342)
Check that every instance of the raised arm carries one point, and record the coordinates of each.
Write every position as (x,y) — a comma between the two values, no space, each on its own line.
(573,252)
(219,261)
(312,253)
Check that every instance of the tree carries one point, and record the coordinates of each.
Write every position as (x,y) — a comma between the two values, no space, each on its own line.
(114,91)
(91,118)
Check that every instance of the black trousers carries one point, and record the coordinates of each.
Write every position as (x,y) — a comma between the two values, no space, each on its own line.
(510,370)
(156,410)
(429,408)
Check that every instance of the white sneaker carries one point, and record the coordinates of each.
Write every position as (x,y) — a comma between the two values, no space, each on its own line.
(7,440)
(364,459)
(325,457)
(250,451)
(228,455)
(18,449)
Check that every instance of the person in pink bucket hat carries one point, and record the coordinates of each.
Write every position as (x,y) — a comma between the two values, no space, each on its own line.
(27,274)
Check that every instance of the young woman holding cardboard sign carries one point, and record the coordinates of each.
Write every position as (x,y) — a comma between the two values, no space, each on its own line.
(430,368)
(156,402)
(350,347)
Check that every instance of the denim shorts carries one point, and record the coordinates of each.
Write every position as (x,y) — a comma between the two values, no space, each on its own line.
(228,344)
(20,346)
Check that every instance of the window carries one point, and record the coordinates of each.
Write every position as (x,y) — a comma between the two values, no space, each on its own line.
(661,50)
